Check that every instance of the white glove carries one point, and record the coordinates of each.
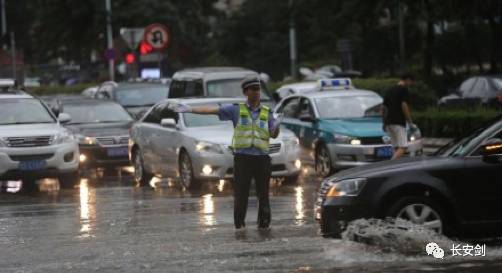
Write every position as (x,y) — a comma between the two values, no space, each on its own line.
(180,108)
(278,120)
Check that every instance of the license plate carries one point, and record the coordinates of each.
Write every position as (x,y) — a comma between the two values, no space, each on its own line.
(383,152)
(115,152)
(32,165)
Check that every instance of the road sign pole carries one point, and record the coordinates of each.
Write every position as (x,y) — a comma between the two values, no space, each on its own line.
(111,61)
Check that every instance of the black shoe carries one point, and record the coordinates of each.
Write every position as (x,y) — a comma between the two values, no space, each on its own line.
(263,224)
(240,226)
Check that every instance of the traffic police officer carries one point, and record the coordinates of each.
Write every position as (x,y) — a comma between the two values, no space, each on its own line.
(254,125)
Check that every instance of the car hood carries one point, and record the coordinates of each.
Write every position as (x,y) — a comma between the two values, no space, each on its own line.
(357,127)
(101,129)
(24,130)
(223,134)
(390,166)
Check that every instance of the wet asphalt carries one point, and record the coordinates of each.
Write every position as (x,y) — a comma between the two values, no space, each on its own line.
(108,224)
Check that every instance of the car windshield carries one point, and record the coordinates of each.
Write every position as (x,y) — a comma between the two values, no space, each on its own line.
(24,111)
(144,96)
(195,120)
(464,145)
(97,113)
(348,107)
(230,88)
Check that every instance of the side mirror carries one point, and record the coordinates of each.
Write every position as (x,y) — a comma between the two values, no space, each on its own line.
(168,123)
(492,152)
(64,118)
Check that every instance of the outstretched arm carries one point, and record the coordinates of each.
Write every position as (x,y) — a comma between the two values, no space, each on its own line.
(205,110)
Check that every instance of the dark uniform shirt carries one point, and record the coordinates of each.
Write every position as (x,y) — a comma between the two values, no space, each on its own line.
(392,101)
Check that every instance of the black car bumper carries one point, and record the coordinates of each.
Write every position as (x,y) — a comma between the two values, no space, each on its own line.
(96,156)
(337,212)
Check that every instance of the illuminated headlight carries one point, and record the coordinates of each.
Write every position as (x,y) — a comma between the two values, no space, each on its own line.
(298,164)
(206,147)
(82,158)
(86,140)
(63,137)
(207,170)
(342,138)
(355,141)
(415,135)
(348,187)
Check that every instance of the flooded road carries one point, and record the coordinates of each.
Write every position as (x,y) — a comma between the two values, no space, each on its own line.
(109,225)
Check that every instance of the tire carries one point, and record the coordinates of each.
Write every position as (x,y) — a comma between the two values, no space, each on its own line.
(69,180)
(141,176)
(420,210)
(185,169)
(323,162)
(291,179)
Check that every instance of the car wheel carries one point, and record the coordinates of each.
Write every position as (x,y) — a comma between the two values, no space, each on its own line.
(420,210)
(141,176)
(69,180)
(186,171)
(291,179)
(322,161)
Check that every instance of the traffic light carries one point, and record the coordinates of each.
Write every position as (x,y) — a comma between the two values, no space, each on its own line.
(130,58)
(145,48)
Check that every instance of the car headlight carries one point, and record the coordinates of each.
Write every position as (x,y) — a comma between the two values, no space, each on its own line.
(414,135)
(206,147)
(63,137)
(3,143)
(291,142)
(346,139)
(347,187)
(86,140)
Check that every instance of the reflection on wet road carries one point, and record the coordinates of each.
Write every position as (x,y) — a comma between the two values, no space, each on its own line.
(109,225)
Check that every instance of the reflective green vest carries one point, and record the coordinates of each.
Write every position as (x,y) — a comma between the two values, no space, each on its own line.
(251,133)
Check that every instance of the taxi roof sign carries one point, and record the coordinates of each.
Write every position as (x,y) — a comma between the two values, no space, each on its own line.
(338,83)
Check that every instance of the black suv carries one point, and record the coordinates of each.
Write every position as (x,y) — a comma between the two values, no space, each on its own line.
(456,192)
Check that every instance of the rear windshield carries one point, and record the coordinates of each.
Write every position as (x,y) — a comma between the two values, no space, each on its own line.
(144,96)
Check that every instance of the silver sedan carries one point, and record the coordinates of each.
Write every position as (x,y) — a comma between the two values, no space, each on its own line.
(196,147)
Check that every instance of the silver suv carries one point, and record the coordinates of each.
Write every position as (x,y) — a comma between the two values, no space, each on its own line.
(33,144)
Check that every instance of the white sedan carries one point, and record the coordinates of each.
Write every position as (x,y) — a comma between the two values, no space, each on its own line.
(196,147)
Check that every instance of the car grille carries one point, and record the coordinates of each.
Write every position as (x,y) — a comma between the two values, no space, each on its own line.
(371,140)
(113,140)
(274,148)
(30,157)
(322,194)
(34,141)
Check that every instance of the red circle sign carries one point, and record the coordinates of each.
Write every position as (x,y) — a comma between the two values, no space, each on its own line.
(157,35)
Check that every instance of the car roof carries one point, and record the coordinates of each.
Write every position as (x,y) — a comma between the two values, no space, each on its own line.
(206,100)
(86,101)
(213,73)
(339,93)
(139,85)
(300,85)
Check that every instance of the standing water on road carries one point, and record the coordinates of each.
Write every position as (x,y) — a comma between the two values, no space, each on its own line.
(109,225)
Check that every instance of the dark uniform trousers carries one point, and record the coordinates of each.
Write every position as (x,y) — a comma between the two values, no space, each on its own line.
(247,167)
